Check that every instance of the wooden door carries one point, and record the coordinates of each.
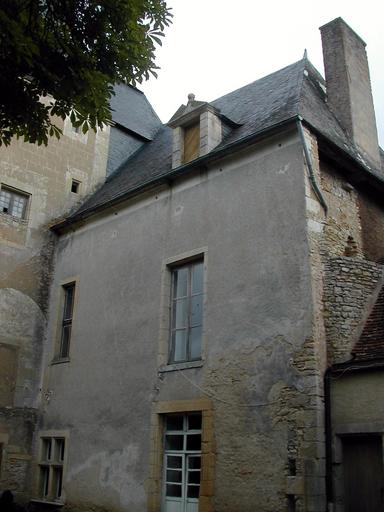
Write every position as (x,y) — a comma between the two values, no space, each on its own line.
(363,474)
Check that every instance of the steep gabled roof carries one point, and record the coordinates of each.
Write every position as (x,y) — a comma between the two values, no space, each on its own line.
(370,345)
(296,91)
(131,110)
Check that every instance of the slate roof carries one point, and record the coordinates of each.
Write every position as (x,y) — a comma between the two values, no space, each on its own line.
(132,110)
(296,90)
(371,342)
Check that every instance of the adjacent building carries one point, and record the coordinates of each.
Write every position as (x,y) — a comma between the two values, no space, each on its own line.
(40,185)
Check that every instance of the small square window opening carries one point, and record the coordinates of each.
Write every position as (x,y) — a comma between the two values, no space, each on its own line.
(75,186)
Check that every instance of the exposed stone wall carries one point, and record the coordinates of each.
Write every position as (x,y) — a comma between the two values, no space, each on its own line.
(16,435)
(372,222)
(312,359)
(343,219)
(349,293)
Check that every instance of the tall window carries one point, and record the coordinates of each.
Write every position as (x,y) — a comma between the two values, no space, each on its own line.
(66,325)
(187,312)
(13,202)
(51,465)
(182,462)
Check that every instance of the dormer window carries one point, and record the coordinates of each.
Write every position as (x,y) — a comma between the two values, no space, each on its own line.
(197,129)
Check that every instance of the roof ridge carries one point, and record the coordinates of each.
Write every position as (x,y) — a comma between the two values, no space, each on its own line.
(299,83)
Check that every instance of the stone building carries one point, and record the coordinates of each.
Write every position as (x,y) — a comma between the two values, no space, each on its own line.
(207,302)
(39,185)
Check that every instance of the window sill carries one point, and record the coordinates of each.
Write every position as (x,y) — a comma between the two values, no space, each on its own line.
(61,360)
(47,502)
(181,366)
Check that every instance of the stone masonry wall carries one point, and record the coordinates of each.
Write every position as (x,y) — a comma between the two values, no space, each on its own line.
(349,293)
(313,358)
(16,434)
(372,223)
(343,225)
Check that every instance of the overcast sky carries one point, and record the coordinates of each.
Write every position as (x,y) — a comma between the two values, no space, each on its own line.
(216,46)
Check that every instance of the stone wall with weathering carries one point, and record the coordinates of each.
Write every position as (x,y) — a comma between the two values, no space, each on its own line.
(372,221)
(350,289)
(343,230)
(246,215)
(43,178)
(345,281)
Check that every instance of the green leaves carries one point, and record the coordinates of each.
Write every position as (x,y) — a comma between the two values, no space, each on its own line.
(72,51)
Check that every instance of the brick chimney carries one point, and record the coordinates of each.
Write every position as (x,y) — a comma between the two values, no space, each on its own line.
(349,86)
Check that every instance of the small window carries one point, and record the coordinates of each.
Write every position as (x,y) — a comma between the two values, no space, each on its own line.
(66,324)
(51,466)
(187,297)
(182,461)
(13,202)
(75,186)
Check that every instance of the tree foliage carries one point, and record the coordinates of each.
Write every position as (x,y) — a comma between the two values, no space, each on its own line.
(61,57)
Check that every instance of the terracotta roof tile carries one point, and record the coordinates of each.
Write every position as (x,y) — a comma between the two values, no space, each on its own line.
(371,342)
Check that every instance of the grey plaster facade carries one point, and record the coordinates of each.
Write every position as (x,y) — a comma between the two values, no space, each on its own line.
(256,323)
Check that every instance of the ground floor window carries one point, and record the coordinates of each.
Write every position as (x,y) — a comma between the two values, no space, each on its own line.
(182,462)
(51,467)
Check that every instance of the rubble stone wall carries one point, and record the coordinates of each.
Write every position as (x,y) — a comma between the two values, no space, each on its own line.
(350,289)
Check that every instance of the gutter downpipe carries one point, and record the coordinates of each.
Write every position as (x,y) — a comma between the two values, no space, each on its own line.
(328,440)
(308,161)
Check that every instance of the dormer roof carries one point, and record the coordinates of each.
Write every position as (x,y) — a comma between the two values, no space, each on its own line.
(189,111)
(192,110)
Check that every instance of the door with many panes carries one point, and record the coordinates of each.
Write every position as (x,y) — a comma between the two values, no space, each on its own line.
(182,462)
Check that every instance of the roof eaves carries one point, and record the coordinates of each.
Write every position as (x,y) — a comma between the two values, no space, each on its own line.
(367,173)
(357,366)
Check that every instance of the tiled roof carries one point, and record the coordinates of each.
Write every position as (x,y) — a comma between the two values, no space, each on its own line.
(296,90)
(371,342)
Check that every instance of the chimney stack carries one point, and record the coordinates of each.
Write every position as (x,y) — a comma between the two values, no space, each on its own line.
(349,86)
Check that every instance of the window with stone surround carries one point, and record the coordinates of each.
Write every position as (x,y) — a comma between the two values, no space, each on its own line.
(13,202)
(187,294)
(182,462)
(182,457)
(66,323)
(51,467)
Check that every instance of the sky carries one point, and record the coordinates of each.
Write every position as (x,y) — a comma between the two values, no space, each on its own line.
(216,46)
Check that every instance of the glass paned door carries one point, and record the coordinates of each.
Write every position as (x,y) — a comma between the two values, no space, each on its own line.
(182,463)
